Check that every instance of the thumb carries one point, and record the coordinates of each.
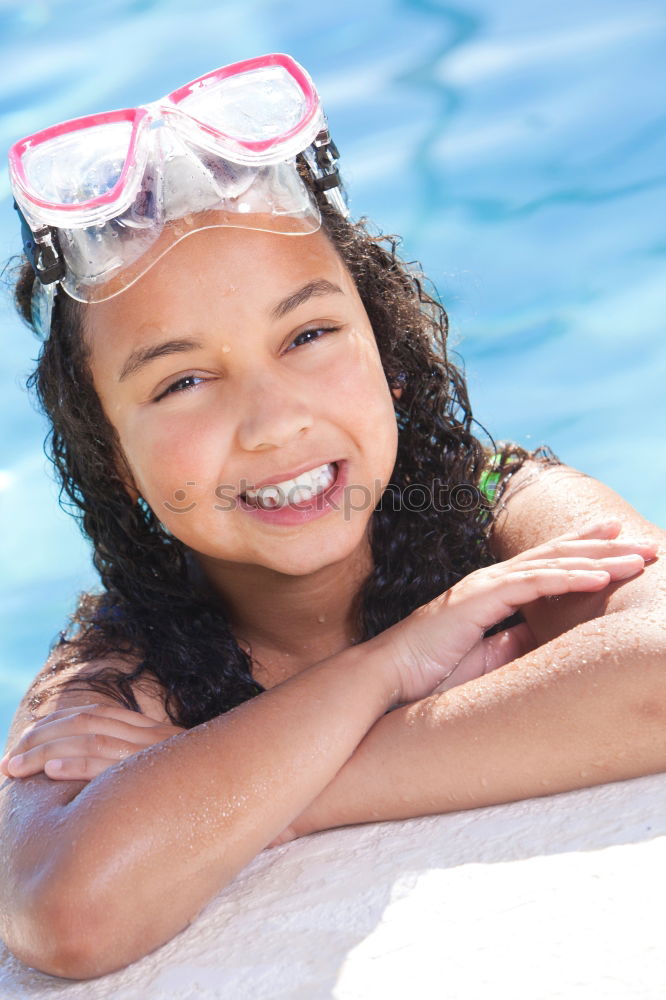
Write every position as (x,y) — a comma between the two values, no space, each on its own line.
(508,645)
(489,654)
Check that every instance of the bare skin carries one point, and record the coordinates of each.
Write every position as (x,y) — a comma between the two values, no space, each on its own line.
(106,851)
(256,408)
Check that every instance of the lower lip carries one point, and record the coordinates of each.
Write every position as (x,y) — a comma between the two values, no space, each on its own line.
(308,510)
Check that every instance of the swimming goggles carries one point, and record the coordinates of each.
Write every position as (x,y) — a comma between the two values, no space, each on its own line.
(103,198)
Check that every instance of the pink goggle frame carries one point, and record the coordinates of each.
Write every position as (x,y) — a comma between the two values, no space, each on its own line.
(172,106)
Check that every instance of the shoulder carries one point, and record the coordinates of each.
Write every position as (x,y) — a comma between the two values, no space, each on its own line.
(47,694)
(61,685)
(542,501)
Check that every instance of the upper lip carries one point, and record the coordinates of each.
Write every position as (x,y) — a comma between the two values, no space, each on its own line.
(292,474)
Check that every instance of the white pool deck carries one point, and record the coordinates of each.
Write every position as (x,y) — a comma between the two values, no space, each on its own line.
(560,897)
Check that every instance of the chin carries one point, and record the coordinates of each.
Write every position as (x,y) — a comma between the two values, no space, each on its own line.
(314,556)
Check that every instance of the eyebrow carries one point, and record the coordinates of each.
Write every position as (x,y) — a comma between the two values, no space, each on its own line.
(313,288)
(141,356)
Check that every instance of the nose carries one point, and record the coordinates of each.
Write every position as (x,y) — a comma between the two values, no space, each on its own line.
(272,415)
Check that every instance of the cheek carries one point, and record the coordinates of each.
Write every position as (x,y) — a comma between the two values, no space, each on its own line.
(362,365)
(177,453)
(357,385)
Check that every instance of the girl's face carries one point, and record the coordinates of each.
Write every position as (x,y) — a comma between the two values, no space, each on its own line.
(241,359)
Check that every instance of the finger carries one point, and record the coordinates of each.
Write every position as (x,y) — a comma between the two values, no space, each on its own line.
(607,528)
(89,745)
(81,723)
(591,548)
(552,582)
(76,768)
(489,654)
(508,645)
(472,665)
(617,566)
(43,720)
(485,599)
(597,529)
(108,711)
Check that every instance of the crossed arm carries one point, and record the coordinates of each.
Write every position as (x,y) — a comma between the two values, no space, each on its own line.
(595,687)
(588,706)
(585,707)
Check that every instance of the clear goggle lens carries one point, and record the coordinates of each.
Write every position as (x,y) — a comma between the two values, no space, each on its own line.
(260,112)
(261,105)
(120,188)
(79,166)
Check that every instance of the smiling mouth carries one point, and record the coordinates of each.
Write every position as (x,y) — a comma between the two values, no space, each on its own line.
(292,492)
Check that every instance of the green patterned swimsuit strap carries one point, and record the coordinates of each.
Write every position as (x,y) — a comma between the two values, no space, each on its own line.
(491,476)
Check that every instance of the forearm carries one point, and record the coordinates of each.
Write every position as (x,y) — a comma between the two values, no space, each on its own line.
(586,708)
(148,843)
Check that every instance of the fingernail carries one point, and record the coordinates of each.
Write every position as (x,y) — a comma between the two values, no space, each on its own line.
(54,765)
(15,762)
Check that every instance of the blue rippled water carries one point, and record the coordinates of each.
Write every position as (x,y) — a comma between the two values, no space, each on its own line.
(519,148)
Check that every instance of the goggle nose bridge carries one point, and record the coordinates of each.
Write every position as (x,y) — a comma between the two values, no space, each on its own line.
(42,248)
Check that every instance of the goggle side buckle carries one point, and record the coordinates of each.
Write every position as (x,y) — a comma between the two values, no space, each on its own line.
(320,158)
(42,249)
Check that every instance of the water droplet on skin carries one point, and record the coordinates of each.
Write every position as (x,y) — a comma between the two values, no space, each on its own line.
(321,619)
(225,348)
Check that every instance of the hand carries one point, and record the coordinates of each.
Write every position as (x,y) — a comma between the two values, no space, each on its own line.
(85,740)
(433,641)
(489,654)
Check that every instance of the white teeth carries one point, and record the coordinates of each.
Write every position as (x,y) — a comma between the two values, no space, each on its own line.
(303,487)
(300,493)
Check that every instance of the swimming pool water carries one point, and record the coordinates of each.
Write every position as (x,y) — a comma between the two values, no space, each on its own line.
(519,148)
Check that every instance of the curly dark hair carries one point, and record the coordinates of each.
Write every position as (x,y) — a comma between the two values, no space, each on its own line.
(153,613)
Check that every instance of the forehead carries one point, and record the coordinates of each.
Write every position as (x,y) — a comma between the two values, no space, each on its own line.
(216,274)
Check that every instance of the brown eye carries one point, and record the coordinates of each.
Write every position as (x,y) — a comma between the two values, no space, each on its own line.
(180,385)
(313,334)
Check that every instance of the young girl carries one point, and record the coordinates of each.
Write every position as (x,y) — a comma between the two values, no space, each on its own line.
(314,610)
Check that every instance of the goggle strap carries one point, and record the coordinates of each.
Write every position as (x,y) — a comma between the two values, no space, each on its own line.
(41,305)
(43,251)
